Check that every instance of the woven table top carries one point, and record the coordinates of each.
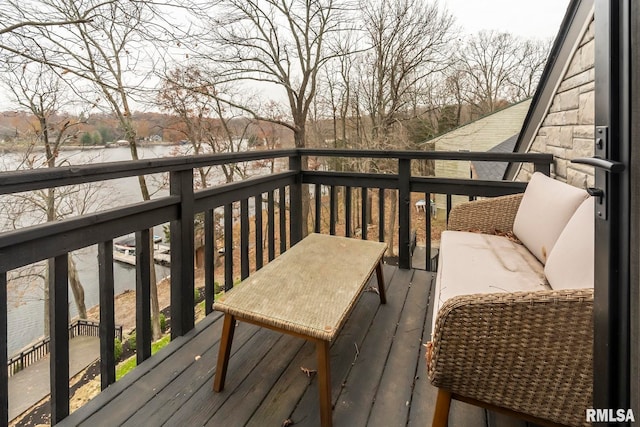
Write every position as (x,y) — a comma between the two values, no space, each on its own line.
(310,289)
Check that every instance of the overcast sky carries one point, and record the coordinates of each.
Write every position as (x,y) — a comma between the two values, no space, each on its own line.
(529,19)
(533,18)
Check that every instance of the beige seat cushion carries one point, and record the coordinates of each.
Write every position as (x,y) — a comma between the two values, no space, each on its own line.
(474,263)
(571,262)
(546,207)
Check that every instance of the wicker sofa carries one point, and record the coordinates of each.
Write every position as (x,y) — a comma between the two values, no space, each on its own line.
(514,304)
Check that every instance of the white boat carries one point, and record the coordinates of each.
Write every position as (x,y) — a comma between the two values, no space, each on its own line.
(124,251)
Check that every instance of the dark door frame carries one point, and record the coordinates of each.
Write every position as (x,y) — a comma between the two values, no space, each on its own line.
(617,255)
(635,208)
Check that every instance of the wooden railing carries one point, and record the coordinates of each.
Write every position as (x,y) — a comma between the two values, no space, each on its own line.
(283,194)
(39,349)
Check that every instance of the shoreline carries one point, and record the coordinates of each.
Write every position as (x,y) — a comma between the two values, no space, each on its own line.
(39,148)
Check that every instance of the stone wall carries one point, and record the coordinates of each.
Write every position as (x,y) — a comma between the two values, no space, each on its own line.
(568,129)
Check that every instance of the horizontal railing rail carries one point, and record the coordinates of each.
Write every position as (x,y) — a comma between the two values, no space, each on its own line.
(541,158)
(18,181)
(257,214)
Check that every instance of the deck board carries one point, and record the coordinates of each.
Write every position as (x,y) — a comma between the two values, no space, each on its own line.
(350,342)
(198,376)
(354,402)
(245,398)
(393,396)
(385,385)
(141,392)
(342,353)
(424,394)
(245,355)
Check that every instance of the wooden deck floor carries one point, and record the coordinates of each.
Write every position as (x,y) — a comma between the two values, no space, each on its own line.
(377,367)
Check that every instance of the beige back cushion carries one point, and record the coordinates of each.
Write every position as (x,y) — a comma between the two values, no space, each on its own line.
(571,262)
(547,206)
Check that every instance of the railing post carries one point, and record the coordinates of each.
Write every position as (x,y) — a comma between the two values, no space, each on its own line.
(404,196)
(4,373)
(144,264)
(244,238)
(542,167)
(271,224)
(427,226)
(295,201)
(59,333)
(107,314)
(182,257)
(381,215)
(228,246)
(257,207)
(209,280)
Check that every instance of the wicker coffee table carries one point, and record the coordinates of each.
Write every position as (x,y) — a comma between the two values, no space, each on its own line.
(307,292)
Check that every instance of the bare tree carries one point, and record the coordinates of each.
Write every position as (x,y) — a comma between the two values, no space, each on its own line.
(408,41)
(19,18)
(531,58)
(35,88)
(338,82)
(281,44)
(103,45)
(209,125)
(488,61)
(180,95)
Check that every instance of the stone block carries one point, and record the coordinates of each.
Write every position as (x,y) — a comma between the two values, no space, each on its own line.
(578,80)
(583,59)
(584,131)
(561,118)
(539,145)
(558,152)
(578,178)
(588,55)
(560,136)
(581,148)
(560,167)
(589,87)
(565,101)
(586,111)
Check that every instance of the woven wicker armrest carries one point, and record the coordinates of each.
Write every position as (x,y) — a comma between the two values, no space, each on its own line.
(486,216)
(528,352)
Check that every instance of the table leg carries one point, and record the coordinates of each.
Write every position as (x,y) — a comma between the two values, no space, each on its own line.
(380,277)
(228,327)
(324,383)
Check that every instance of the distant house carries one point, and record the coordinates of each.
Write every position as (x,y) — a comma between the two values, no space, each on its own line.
(480,135)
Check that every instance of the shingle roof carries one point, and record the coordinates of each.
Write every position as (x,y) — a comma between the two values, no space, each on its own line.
(495,170)
(486,132)
(480,135)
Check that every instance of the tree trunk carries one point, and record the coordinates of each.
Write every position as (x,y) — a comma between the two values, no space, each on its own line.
(76,288)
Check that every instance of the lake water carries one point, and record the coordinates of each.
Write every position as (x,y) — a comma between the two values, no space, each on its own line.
(25,312)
